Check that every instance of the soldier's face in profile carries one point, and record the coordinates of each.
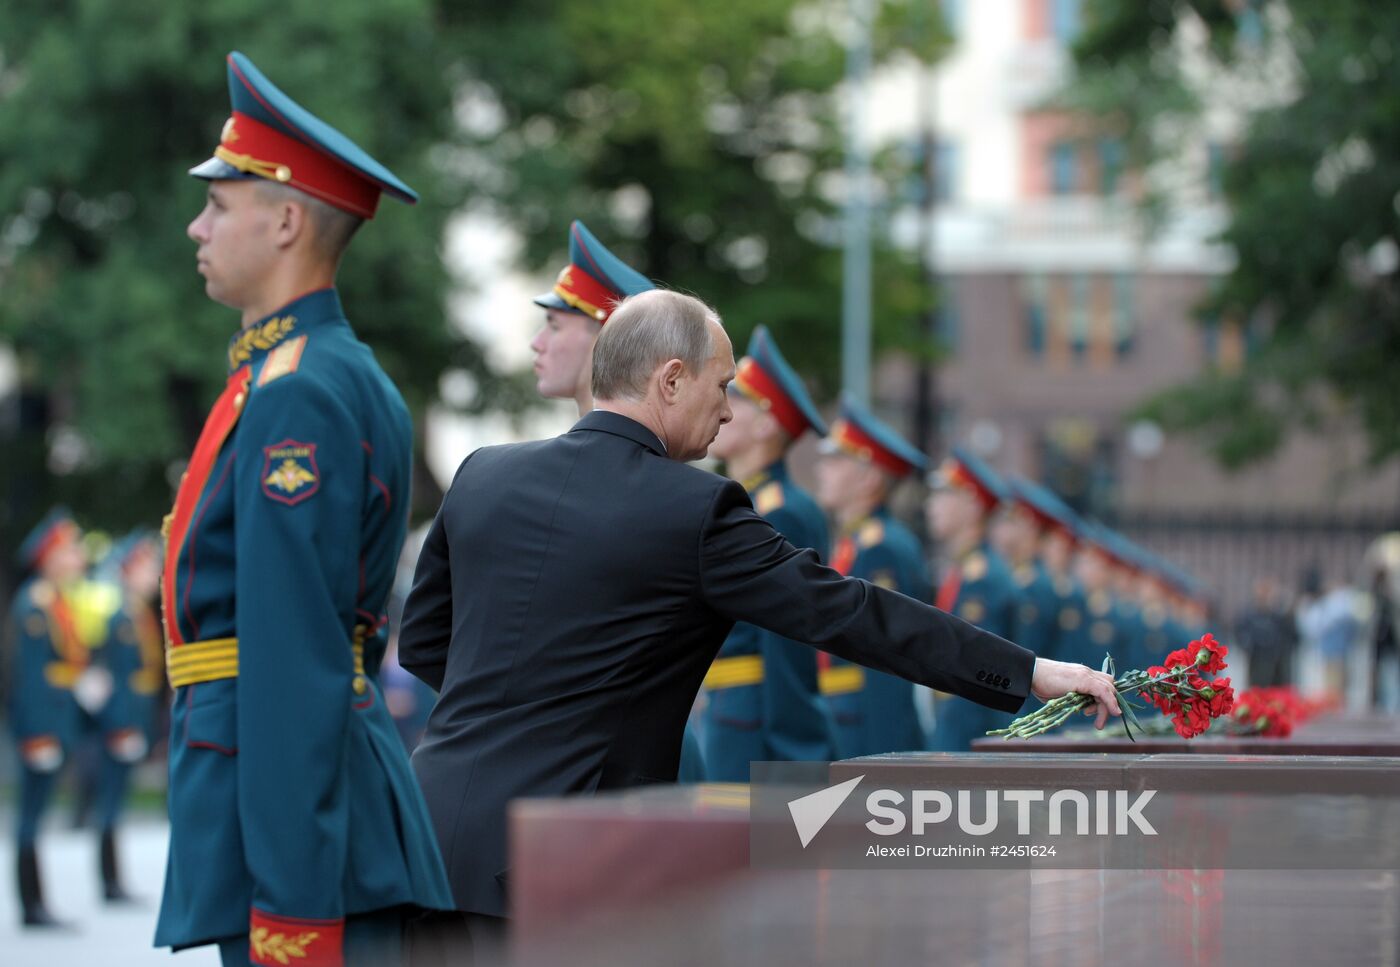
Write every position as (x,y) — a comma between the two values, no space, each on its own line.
(839,479)
(951,510)
(1092,568)
(1016,533)
(1058,551)
(66,563)
(563,353)
(737,436)
(234,233)
(142,572)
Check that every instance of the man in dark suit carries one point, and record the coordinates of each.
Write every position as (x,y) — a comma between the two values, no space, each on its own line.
(572,593)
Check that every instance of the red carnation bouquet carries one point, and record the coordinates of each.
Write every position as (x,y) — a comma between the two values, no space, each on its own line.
(1273,712)
(1178,687)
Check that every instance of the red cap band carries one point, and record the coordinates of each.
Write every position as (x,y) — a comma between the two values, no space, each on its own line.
(958,475)
(257,149)
(61,532)
(585,293)
(754,382)
(856,442)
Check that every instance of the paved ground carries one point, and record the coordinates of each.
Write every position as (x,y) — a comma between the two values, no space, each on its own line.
(103,936)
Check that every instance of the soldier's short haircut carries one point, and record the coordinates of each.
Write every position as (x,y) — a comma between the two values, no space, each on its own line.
(331,227)
(645,331)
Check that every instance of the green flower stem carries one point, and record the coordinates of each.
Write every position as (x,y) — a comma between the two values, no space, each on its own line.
(1056,711)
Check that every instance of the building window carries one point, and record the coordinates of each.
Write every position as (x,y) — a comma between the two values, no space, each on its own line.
(1035,299)
(1210,338)
(1223,343)
(1062,168)
(1079,315)
(1111,161)
(1064,20)
(1124,317)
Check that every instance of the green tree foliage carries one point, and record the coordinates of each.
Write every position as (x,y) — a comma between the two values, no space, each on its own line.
(103,107)
(701,142)
(1313,190)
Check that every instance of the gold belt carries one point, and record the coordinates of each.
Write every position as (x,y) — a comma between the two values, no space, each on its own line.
(840,679)
(736,671)
(209,661)
(63,674)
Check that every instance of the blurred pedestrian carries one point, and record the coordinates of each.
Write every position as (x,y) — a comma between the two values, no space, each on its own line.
(1383,631)
(134,656)
(1267,633)
(50,663)
(1331,624)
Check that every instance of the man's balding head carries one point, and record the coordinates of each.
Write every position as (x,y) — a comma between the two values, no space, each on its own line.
(664,359)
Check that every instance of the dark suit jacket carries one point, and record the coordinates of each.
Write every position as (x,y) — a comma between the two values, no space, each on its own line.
(571,595)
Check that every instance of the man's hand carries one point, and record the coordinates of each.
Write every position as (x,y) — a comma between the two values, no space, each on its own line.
(1055,678)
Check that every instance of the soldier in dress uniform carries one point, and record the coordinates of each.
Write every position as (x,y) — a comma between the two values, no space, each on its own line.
(575,310)
(298,834)
(1123,556)
(134,655)
(1057,546)
(584,296)
(763,703)
(1094,568)
(1161,632)
(1020,530)
(862,462)
(977,586)
(49,658)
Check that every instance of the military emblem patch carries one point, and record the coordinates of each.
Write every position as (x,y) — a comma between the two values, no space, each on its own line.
(282,361)
(769,498)
(974,568)
(885,579)
(289,473)
(871,533)
(973,611)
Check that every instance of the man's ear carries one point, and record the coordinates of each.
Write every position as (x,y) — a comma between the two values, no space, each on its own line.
(669,379)
(291,224)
